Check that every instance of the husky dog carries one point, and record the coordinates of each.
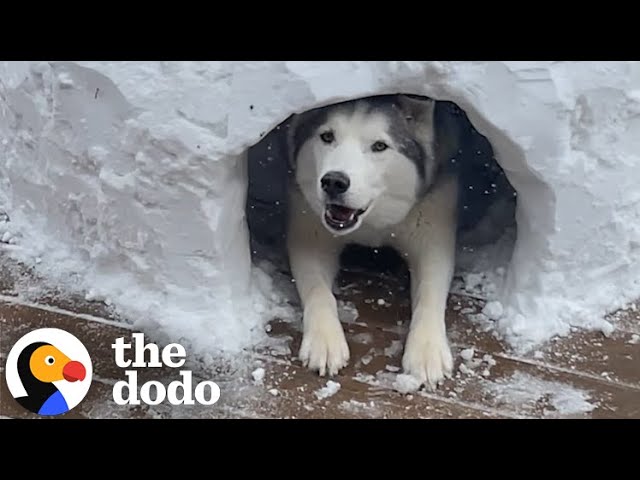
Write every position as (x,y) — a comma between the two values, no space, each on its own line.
(375,172)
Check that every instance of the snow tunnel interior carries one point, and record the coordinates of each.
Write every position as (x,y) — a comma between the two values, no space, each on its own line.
(486,222)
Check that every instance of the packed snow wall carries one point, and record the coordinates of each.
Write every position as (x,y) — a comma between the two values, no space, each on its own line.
(127,180)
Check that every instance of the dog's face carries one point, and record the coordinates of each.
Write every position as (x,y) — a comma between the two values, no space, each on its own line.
(365,161)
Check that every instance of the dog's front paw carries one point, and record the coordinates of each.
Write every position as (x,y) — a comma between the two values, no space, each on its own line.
(428,358)
(324,347)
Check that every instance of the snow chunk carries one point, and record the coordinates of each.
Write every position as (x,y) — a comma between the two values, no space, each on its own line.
(404,383)
(327,391)
(493,310)
(364,338)
(467,354)
(258,375)
(472,281)
(366,359)
(393,349)
(489,359)
(607,328)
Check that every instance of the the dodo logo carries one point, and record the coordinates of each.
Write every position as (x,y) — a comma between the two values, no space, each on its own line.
(49,371)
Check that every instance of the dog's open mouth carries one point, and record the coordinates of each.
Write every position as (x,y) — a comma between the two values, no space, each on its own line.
(340,217)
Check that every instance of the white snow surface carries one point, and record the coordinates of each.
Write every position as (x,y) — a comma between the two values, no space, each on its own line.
(525,392)
(129,179)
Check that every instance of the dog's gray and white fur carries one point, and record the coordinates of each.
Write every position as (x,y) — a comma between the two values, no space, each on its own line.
(374,172)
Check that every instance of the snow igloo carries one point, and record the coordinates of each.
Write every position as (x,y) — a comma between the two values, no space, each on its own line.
(128,182)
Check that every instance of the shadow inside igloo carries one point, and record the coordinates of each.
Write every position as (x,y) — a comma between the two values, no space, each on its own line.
(486,223)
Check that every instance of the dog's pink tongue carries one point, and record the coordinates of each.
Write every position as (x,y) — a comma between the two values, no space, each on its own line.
(341,213)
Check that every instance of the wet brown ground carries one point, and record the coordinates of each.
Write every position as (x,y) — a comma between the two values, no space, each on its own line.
(585,375)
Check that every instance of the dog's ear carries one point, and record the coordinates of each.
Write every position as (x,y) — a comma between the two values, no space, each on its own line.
(290,126)
(418,112)
(451,130)
(301,127)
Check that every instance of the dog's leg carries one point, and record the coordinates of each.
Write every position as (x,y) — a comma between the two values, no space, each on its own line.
(314,258)
(428,238)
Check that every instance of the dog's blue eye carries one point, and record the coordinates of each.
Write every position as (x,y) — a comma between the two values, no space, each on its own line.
(379,147)
(327,137)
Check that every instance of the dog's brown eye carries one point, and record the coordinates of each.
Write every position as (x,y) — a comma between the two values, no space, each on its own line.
(327,137)
(379,147)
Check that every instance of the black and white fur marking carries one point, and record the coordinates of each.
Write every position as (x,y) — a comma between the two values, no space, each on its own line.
(374,172)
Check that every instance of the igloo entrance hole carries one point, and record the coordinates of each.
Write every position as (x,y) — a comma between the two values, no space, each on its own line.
(487,224)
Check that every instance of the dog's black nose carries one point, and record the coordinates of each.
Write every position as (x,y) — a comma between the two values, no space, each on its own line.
(335,183)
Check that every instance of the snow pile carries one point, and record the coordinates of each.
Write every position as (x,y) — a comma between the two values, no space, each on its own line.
(130,178)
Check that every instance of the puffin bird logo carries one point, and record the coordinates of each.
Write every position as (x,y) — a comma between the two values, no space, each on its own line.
(39,366)
(48,371)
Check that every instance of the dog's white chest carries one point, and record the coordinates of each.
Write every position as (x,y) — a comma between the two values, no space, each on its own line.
(371,237)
